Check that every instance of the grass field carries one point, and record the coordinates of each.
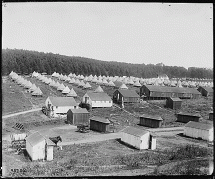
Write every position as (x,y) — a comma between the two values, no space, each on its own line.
(13,98)
(101,157)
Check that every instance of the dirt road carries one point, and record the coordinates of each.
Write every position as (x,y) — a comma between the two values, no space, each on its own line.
(23,112)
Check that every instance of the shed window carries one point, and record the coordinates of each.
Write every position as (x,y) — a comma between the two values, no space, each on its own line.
(56,107)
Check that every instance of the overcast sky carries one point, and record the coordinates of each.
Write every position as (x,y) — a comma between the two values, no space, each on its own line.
(175,34)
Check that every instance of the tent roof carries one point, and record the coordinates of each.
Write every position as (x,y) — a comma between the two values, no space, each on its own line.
(123,86)
(99,89)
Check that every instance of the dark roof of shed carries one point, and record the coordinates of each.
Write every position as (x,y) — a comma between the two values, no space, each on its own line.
(79,110)
(99,96)
(154,117)
(167,89)
(174,99)
(128,93)
(100,119)
(188,114)
(35,138)
(63,101)
(208,89)
(198,125)
(134,131)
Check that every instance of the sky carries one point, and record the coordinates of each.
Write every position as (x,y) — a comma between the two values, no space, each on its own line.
(176,34)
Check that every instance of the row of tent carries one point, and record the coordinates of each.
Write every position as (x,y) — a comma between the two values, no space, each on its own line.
(32,88)
(66,90)
(60,87)
(137,82)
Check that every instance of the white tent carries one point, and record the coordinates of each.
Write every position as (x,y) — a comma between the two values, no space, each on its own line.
(28,85)
(81,84)
(66,90)
(37,92)
(99,89)
(72,93)
(61,87)
(87,86)
(111,83)
(123,86)
(54,74)
(137,84)
(33,88)
(72,81)
(68,79)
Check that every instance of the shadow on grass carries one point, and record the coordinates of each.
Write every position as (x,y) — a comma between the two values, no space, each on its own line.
(182,135)
(127,145)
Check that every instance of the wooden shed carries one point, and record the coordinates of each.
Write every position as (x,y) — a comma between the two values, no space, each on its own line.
(78,116)
(99,124)
(137,138)
(186,117)
(126,96)
(173,103)
(38,147)
(206,91)
(211,115)
(199,130)
(154,121)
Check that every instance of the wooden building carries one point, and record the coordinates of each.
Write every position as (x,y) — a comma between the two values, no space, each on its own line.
(78,116)
(206,91)
(199,130)
(95,99)
(38,147)
(60,105)
(163,92)
(138,138)
(186,117)
(126,96)
(173,103)
(153,121)
(99,124)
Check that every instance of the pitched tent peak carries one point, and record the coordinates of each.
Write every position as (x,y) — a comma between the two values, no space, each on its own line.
(123,86)
(99,89)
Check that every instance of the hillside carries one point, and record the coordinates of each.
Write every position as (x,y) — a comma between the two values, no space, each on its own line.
(25,62)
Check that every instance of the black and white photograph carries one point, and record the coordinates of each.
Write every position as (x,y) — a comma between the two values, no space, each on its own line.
(107,89)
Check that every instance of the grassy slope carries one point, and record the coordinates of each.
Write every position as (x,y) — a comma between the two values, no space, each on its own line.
(13,99)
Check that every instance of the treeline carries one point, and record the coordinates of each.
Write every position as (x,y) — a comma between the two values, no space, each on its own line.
(25,62)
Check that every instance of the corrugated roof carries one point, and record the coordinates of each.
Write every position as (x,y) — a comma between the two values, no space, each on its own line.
(99,96)
(188,114)
(166,89)
(198,125)
(128,93)
(100,119)
(80,110)
(134,131)
(63,101)
(35,138)
(155,117)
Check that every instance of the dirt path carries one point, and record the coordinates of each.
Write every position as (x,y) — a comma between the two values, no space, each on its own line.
(23,112)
